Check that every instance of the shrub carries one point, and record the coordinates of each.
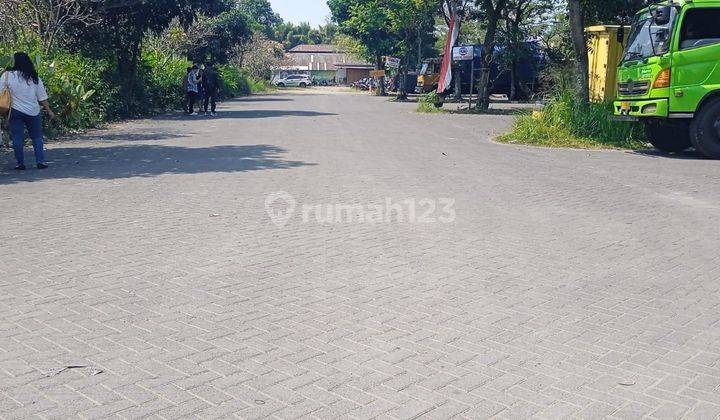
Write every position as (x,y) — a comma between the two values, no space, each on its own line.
(568,122)
(430,103)
(163,75)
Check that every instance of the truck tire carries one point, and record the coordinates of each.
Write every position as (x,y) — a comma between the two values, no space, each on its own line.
(705,130)
(666,136)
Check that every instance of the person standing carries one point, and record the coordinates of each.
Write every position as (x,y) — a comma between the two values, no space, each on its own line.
(201,88)
(191,83)
(212,88)
(28,95)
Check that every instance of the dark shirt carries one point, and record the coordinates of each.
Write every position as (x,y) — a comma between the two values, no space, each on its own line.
(210,80)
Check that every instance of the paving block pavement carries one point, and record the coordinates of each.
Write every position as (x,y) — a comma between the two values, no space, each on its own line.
(570,284)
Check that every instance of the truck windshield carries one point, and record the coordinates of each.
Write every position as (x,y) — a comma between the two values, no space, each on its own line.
(648,39)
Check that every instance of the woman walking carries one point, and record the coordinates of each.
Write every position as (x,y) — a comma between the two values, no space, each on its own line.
(28,94)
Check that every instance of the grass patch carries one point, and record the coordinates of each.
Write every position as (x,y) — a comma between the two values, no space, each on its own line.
(568,122)
(260,85)
(428,104)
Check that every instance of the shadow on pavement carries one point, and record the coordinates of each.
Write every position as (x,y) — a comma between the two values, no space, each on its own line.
(268,98)
(110,136)
(686,155)
(249,114)
(128,161)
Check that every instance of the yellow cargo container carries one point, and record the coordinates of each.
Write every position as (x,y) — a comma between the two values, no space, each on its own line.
(604,54)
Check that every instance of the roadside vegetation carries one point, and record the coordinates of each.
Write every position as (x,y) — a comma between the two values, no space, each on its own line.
(568,122)
(106,61)
(428,104)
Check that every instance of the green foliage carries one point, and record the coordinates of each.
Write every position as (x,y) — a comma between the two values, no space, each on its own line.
(609,11)
(260,14)
(370,23)
(568,122)
(233,82)
(430,104)
(219,35)
(292,35)
(163,75)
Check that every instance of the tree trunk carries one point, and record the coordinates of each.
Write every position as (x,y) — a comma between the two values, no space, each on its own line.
(513,81)
(486,58)
(577,32)
(457,78)
(380,88)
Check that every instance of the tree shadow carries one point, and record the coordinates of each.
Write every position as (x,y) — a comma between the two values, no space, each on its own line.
(148,160)
(110,136)
(268,98)
(249,114)
(690,154)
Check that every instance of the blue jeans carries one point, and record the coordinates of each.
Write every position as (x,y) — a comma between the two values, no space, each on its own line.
(18,122)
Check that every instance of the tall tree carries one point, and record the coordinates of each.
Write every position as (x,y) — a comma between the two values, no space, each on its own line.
(123,25)
(582,12)
(411,20)
(577,34)
(492,12)
(221,34)
(260,14)
(368,22)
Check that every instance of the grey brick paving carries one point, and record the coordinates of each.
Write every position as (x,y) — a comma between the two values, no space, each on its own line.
(573,284)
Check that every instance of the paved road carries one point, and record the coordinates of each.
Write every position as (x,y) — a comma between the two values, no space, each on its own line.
(570,283)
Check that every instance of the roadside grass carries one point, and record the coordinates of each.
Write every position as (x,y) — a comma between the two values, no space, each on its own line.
(260,85)
(427,104)
(567,122)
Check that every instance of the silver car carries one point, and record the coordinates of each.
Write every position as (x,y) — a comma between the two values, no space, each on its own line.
(294,80)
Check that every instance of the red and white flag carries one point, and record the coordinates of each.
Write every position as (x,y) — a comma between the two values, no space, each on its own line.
(453,32)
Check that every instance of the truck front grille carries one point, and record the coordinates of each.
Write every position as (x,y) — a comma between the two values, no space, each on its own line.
(632,88)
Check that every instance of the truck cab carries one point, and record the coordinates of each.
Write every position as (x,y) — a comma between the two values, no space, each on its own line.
(669,75)
(429,75)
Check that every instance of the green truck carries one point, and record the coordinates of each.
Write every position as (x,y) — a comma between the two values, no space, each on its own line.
(669,76)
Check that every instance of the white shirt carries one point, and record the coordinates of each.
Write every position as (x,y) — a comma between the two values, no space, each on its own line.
(25,94)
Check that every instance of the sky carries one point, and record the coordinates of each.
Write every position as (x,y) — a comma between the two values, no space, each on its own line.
(296,11)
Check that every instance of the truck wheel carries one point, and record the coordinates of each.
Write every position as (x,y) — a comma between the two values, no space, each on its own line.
(671,137)
(705,130)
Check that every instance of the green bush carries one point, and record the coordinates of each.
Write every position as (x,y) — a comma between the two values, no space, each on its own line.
(74,83)
(85,92)
(163,76)
(430,103)
(232,82)
(566,121)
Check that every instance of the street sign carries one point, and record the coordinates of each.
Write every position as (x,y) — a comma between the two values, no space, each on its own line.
(392,62)
(462,53)
(377,73)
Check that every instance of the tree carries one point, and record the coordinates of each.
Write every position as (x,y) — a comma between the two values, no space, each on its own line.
(219,36)
(260,56)
(368,22)
(122,26)
(260,14)
(292,35)
(581,12)
(46,18)
(492,11)
(523,20)
(410,20)
(577,34)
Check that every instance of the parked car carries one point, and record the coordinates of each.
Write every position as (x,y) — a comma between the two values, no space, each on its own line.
(294,80)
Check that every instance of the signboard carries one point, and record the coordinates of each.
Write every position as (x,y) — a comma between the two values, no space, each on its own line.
(377,73)
(462,53)
(392,62)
